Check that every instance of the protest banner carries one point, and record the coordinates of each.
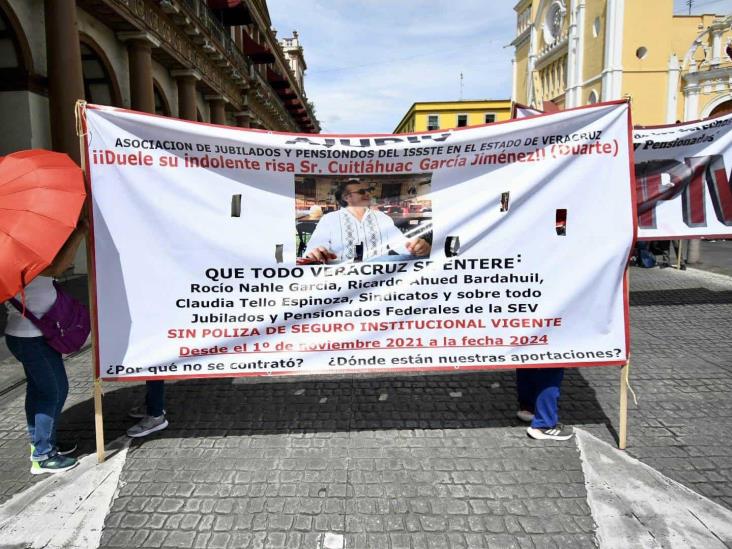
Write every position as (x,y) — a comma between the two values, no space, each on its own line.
(200,234)
(683,180)
(523,111)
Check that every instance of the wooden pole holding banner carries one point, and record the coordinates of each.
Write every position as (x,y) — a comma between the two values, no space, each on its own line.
(92,284)
(623,430)
(98,419)
(679,254)
(624,377)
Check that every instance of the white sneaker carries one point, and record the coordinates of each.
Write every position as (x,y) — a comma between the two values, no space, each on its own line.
(525,416)
(147,425)
(558,432)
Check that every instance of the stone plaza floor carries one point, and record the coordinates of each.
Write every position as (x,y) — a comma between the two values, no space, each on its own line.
(407,461)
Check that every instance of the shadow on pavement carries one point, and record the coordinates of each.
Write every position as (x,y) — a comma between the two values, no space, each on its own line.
(238,407)
(684,296)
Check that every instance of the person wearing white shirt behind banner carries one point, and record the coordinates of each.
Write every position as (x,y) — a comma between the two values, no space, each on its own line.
(338,233)
(47,384)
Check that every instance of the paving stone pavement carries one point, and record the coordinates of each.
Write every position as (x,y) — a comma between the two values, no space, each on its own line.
(418,461)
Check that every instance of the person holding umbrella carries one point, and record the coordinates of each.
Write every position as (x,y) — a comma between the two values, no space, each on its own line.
(41,195)
(47,384)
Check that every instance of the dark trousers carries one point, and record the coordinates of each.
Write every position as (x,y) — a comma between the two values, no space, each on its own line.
(45,391)
(155,398)
(538,391)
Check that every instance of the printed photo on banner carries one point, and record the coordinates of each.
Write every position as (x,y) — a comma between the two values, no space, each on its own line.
(369,218)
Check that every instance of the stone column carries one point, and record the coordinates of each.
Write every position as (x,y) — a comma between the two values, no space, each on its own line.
(580,58)
(139,50)
(717,30)
(243,119)
(691,101)
(65,76)
(187,107)
(532,94)
(612,74)
(217,105)
(674,70)
(570,78)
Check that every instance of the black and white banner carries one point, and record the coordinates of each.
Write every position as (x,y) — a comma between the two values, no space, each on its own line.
(227,252)
(683,180)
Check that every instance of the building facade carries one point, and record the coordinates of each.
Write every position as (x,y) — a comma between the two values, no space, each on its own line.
(579,52)
(216,61)
(440,115)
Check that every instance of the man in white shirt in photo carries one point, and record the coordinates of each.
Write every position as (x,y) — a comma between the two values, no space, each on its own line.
(338,233)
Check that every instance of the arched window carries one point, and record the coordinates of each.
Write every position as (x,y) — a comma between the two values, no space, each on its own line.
(100,86)
(162,107)
(14,55)
(9,51)
(722,108)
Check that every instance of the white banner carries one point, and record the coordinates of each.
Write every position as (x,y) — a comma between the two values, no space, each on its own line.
(502,246)
(683,180)
(523,111)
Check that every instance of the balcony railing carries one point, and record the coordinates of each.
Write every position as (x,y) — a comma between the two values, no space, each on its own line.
(199,10)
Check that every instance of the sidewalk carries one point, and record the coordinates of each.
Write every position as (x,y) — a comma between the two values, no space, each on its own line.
(424,461)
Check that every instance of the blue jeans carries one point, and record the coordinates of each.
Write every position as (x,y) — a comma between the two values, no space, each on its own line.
(538,391)
(155,398)
(46,390)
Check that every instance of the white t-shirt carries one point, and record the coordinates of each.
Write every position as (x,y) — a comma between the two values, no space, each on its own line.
(40,295)
(340,232)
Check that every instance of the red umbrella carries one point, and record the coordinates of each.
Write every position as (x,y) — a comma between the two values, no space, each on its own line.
(41,194)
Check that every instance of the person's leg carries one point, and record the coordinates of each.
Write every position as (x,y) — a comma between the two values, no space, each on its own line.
(525,389)
(31,397)
(155,406)
(62,385)
(546,412)
(40,363)
(155,398)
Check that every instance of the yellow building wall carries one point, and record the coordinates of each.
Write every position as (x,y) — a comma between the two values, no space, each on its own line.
(649,24)
(522,71)
(648,96)
(449,111)
(594,50)
(645,72)
(643,28)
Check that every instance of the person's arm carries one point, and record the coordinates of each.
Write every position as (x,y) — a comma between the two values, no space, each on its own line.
(391,235)
(319,246)
(65,257)
(399,243)
(419,247)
